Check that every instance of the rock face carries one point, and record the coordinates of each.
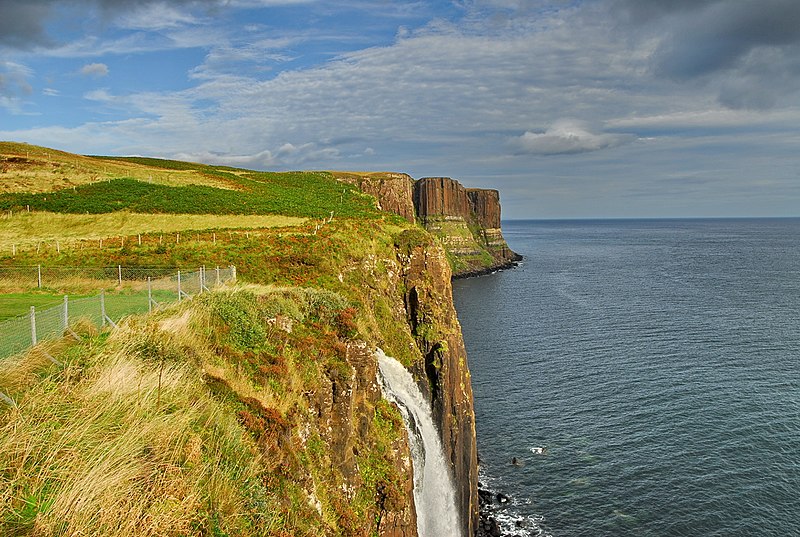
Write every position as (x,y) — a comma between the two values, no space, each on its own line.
(343,410)
(485,206)
(394,191)
(440,196)
(467,220)
(443,371)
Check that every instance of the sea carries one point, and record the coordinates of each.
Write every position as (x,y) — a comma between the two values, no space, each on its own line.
(640,378)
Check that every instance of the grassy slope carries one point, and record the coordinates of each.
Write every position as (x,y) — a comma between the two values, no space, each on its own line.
(24,229)
(29,168)
(189,421)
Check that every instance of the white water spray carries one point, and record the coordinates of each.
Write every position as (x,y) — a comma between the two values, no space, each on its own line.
(434,493)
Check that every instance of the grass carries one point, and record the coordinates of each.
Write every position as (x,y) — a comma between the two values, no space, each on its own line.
(175,425)
(54,181)
(245,412)
(300,194)
(24,229)
(13,304)
(29,168)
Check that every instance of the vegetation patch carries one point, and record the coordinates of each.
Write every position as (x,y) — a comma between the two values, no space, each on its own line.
(24,229)
(301,194)
(30,168)
(190,422)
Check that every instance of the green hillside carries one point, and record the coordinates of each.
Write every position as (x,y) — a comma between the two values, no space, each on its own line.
(204,418)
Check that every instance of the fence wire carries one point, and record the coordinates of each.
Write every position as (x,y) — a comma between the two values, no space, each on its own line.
(20,333)
(33,276)
(15,335)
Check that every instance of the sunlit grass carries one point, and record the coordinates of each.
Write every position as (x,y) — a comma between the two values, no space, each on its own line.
(195,420)
(24,229)
(29,168)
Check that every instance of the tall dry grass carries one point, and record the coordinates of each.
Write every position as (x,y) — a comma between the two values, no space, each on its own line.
(199,419)
(116,444)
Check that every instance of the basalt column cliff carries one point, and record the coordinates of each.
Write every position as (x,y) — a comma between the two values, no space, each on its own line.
(466,220)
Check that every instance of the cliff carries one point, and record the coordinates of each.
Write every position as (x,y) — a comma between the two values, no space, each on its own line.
(466,220)
(254,410)
(394,192)
(431,316)
(468,223)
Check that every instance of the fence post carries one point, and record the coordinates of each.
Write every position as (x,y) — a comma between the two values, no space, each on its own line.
(106,318)
(66,312)
(217,276)
(119,274)
(233,272)
(33,325)
(203,280)
(102,307)
(39,269)
(179,286)
(149,296)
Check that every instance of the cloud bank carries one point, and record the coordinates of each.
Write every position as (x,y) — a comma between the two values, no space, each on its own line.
(568,137)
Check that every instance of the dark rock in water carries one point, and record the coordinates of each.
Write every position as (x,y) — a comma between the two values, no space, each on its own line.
(502,498)
(488,528)
(485,497)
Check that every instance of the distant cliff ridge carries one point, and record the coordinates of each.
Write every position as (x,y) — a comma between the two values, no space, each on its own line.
(466,220)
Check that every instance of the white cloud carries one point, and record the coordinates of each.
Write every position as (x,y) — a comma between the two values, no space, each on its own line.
(14,85)
(568,136)
(157,16)
(709,119)
(99,95)
(97,70)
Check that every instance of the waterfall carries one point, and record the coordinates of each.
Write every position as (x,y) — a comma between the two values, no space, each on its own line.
(434,493)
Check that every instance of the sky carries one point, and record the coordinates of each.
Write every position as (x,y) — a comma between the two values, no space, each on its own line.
(570,108)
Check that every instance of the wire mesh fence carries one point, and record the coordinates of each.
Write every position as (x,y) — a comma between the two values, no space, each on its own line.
(19,333)
(39,276)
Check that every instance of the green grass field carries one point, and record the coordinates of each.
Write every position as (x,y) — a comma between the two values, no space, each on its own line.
(301,194)
(15,326)
(13,304)
(24,229)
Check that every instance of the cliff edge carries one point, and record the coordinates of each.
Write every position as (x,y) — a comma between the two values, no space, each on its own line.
(466,220)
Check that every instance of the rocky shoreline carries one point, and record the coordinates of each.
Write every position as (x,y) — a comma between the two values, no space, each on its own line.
(487,523)
(489,270)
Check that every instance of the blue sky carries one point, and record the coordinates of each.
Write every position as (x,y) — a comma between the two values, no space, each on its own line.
(593,108)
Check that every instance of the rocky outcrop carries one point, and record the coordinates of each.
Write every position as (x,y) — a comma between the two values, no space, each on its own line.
(393,191)
(485,207)
(343,410)
(440,196)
